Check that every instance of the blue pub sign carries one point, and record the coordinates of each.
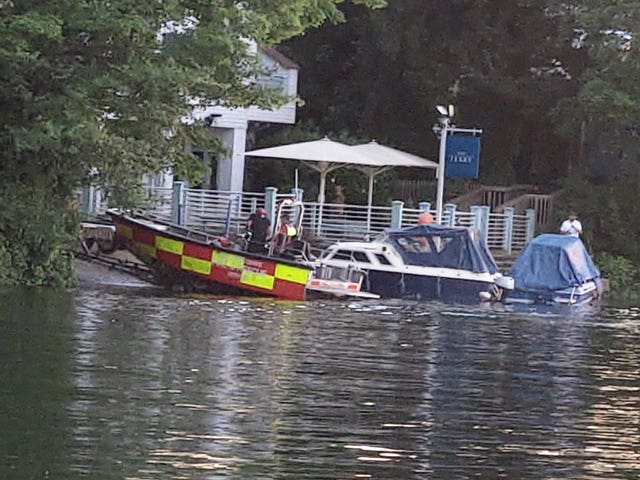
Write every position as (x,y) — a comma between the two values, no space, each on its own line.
(462,157)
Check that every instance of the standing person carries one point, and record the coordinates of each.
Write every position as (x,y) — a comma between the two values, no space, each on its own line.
(259,226)
(425,218)
(571,226)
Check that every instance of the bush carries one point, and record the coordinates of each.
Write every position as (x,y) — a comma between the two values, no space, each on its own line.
(620,271)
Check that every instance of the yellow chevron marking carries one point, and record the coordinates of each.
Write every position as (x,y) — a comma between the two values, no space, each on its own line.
(292,274)
(195,265)
(227,259)
(256,279)
(169,245)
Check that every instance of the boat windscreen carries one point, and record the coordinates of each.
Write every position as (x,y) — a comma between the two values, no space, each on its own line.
(445,247)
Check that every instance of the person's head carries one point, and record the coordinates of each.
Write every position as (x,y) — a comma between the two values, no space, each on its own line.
(425,218)
(261,212)
(572,215)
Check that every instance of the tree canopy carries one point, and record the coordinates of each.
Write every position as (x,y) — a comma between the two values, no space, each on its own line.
(543,79)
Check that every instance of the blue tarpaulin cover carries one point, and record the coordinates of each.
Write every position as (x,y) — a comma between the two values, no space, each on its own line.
(447,247)
(553,262)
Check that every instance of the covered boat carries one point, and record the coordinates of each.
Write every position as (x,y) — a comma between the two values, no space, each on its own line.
(554,269)
(422,262)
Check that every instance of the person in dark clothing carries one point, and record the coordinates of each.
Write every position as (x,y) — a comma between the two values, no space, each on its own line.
(259,226)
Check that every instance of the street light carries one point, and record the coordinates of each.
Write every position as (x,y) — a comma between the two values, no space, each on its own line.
(442,129)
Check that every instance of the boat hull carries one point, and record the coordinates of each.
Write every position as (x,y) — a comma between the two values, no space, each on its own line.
(423,287)
(220,269)
(579,295)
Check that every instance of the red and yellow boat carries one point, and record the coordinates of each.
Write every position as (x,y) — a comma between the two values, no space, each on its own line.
(179,255)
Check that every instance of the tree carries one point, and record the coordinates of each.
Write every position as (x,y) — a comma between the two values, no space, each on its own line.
(500,62)
(95,91)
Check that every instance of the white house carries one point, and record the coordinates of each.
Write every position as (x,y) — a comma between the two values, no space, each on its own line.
(230,124)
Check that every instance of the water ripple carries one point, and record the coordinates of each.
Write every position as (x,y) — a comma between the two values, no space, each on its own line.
(114,384)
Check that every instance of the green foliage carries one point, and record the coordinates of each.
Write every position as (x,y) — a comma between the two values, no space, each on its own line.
(381,75)
(609,97)
(609,212)
(38,238)
(620,271)
(97,92)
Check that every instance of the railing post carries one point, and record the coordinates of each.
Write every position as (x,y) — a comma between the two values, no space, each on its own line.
(270,202)
(424,206)
(86,203)
(450,208)
(508,229)
(396,213)
(482,221)
(477,216)
(298,194)
(531,222)
(312,215)
(179,203)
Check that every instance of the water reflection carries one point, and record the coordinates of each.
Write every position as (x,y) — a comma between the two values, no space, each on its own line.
(139,385)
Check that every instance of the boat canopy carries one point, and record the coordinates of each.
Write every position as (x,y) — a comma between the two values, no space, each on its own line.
(434,245)
(553,262)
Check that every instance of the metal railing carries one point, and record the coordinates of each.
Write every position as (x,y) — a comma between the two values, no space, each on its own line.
(542,204)
(216,212)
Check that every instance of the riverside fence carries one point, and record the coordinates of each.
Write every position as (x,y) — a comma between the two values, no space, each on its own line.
(217,211)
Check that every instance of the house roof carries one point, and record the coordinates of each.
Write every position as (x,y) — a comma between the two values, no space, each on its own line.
(283,60)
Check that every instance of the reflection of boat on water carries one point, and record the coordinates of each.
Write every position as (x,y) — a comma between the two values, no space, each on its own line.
(422,262)
(199,261)
(554,269)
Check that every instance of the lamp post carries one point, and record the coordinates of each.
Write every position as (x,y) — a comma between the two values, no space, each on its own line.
(442,128)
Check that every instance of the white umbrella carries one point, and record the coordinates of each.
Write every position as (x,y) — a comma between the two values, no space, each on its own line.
(324,156)
(385,158)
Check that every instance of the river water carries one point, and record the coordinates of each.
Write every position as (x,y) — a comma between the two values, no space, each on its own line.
(136,383)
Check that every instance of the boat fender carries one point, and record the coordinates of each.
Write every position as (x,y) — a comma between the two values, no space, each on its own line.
(485,296)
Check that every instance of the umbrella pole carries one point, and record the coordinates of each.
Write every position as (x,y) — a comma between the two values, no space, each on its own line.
(370,202)
(323,182)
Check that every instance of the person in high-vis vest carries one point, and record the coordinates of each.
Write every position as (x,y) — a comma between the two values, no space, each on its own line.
(284,234)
